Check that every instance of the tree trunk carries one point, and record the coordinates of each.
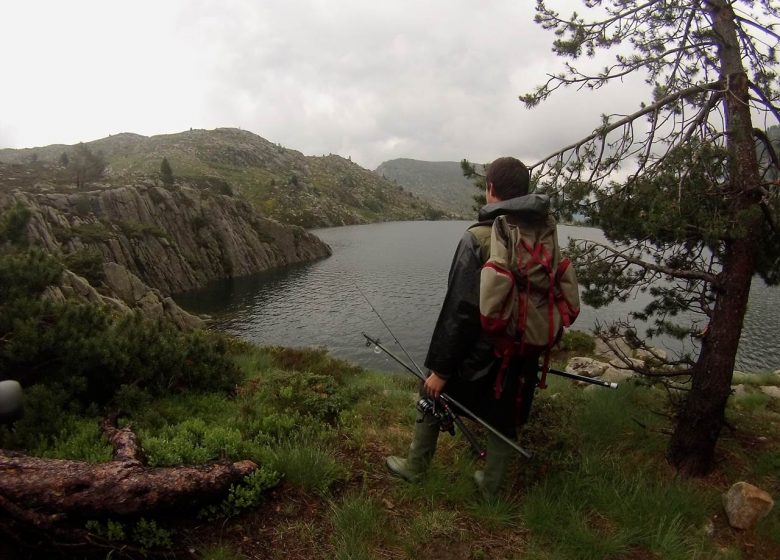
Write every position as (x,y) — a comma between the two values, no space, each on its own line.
(701,418)
(39,493)
(699,422)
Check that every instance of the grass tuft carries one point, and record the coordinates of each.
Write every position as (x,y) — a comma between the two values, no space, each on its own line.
(358,525)
(308,466)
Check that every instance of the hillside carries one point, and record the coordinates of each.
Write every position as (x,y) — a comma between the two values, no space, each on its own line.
(440,182)
(281,183)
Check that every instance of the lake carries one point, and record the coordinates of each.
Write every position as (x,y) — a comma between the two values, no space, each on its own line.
(402,267)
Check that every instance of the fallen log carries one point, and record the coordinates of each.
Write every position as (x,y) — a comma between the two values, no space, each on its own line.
(42,492)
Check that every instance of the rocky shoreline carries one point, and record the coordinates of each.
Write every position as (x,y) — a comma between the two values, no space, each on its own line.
(150,242)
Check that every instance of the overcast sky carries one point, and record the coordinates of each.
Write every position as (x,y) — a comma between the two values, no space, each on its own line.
(433,80)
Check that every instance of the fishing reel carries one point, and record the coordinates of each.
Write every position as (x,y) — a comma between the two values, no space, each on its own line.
(429,407)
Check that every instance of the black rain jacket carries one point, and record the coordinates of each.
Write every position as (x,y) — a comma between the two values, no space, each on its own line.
(458,347)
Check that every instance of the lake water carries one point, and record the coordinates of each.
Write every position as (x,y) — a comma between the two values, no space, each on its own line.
(401,267)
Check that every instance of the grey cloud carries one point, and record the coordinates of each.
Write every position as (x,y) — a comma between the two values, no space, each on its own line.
(429,80)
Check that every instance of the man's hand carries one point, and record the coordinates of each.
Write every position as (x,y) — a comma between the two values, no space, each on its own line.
(434,385)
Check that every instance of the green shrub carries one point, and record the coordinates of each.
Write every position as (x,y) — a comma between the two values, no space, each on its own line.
(89,355)
(578,341)
(86,262)
(245,495)
(303,393)
(47,411)
(147,534)
(24,275)
(131,397)
(13,225)
(193,441)
(92,232)
(110,530)
(272,427)
(137,230)
(80,439)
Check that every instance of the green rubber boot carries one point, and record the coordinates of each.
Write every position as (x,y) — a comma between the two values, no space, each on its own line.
(413,467)
(499,457)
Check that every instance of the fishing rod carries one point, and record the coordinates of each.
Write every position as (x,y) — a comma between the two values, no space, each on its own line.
(446,416)
(582,378)
(398,342)
(447,400)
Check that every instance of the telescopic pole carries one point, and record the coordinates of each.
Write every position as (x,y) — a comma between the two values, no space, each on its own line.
(446,399)
(599,382)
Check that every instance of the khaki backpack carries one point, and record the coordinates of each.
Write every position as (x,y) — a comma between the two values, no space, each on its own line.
(527,292)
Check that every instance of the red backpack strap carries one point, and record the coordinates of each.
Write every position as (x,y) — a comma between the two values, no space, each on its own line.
(504,348)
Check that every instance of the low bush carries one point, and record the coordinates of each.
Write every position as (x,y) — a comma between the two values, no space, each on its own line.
(193,441)
(75,358)
(86,262)
(13,225)
(248,494)
(578,341)
(303,393)
(89,232)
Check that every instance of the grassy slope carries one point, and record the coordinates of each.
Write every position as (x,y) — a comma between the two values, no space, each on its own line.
(282,183)
(441,182)
(597,488)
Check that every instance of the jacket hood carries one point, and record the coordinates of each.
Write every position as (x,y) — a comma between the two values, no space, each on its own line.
(536,205)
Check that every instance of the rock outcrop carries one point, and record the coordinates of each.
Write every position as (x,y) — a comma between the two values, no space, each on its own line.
(173,240)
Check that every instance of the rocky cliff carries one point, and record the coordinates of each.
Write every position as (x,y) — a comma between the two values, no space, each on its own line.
(172,239)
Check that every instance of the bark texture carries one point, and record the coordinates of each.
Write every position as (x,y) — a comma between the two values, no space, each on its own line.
(41,492)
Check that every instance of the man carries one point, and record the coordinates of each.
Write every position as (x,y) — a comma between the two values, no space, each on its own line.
(461,357)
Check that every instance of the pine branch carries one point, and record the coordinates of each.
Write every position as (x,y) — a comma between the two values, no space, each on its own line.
(775,110)
(673,272)
(603,131)
(757,26)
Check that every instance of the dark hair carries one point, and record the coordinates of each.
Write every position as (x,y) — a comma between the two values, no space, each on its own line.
(509,176)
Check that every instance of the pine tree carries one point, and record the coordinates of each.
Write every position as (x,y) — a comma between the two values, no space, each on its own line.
(86,165)
(697,216)
(166,173)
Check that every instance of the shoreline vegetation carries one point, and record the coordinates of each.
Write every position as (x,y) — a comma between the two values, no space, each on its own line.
(319,428)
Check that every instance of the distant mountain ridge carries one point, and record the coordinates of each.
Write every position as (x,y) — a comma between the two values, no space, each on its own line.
(283,184)
(440,182)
